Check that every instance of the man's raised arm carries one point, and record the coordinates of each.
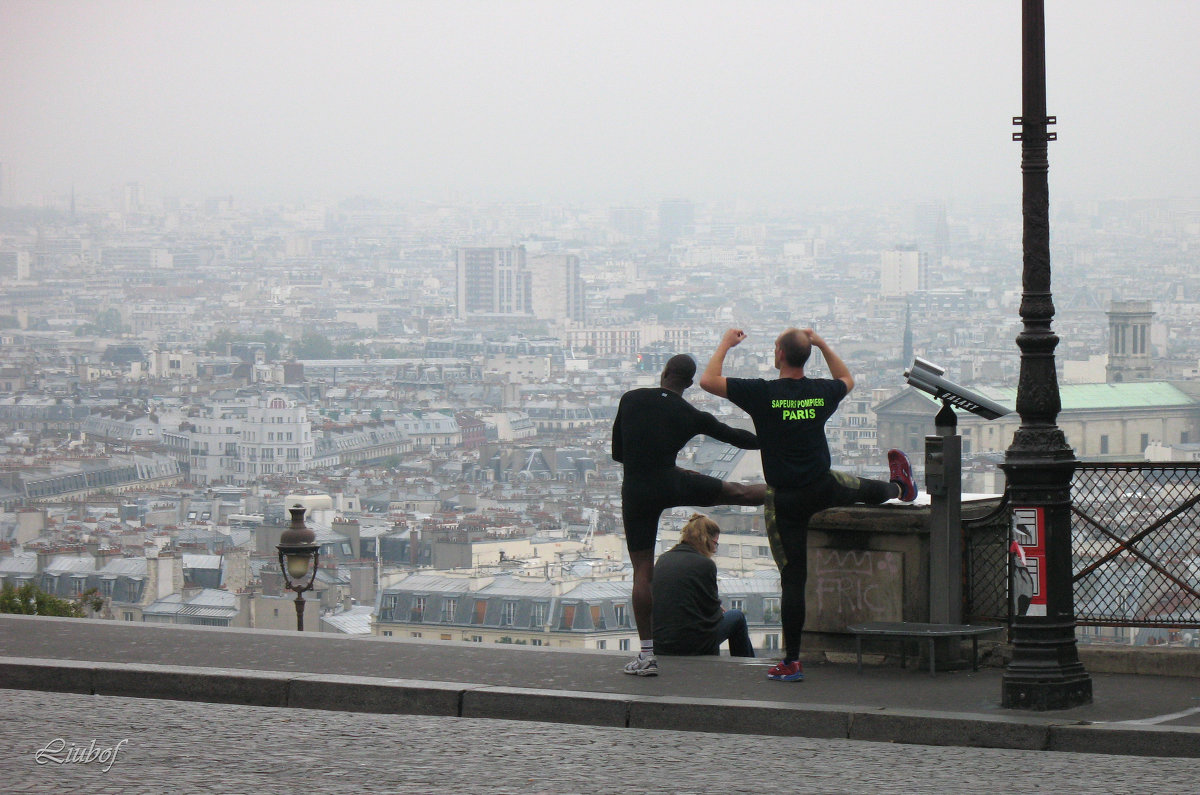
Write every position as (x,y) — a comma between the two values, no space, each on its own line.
(837,368)
(712,380)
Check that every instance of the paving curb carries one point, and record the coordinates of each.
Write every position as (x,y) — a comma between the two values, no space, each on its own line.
(454,699)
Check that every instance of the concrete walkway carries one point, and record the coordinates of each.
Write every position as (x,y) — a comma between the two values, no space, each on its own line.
(1131,714)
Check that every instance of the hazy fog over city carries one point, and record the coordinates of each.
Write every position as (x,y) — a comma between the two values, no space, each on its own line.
(405,258)
(798,101)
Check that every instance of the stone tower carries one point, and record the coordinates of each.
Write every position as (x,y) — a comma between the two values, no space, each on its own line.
(1129,342)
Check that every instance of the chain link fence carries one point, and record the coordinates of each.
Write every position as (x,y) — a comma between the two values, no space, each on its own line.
(1136,541)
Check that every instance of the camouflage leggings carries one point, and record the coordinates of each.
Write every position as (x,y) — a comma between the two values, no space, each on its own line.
(787,514)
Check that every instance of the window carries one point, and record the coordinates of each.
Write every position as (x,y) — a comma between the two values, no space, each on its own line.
(477,638)
(737,604)
(568,617)
(771,609)
(623,644)
(414,634)
(622,615)
(387,633)
(418,609)
(446,636)
(1103,444)
(508,614)
(480,611)
(537,619)
(1145,442)
(128,616)
(771,642)
(600,644)
(535,642)
(449,610)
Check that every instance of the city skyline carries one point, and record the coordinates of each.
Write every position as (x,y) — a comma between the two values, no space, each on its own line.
(535,101)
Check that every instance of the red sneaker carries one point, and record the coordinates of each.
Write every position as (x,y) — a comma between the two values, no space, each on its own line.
(901,475)
(786,672)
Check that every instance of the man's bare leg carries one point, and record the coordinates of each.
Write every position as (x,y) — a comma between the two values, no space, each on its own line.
(645,663)
(740,494)
(643,598)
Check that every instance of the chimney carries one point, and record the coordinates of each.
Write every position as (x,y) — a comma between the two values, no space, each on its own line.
(351,529)
(103,556)
(236,562)
(44,556)
(246,608)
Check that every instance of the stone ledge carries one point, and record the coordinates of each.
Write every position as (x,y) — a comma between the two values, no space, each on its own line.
(216,685)
(1126,740)
(1143,660)
(370,694)
(408,696)
(739,717)
(949,728)
(551,706)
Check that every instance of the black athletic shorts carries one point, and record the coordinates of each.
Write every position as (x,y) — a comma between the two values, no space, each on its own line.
(646,494)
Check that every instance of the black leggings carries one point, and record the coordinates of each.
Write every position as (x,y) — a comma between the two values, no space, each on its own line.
(787,513)
(646,494)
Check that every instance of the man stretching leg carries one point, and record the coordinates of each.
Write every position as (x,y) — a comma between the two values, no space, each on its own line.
(651,427)
(789,416)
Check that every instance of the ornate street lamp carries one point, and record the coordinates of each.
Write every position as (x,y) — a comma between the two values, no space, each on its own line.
(299,556)
(1045,672)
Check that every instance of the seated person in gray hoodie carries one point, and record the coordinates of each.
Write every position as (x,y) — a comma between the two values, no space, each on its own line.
(688,617)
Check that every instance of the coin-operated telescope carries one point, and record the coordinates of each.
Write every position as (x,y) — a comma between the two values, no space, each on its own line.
(943,482)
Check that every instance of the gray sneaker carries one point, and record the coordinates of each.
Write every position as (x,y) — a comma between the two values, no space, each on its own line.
(642,666)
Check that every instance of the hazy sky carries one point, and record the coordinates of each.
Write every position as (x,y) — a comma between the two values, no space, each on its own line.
(608,101)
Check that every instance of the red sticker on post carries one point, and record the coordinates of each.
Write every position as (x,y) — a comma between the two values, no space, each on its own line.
(1029,533)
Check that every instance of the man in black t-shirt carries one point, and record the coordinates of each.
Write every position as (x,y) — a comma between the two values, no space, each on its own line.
(651,427)
(789,416)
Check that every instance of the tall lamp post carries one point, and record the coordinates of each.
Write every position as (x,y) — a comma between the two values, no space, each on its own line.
(1045,672)
(299,556)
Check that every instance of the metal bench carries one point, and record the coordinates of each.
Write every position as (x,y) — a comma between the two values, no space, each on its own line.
(904,631)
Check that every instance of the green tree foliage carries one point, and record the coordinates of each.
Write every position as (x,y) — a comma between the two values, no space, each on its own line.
(347,350)
(106,322)
(31,601)
(272,341)
(313,345)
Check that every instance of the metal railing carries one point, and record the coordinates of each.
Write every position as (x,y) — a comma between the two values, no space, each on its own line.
(1136,540)
(986,566)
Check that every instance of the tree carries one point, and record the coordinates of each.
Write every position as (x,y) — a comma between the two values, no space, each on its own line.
(31,601)
(313,345)
(106,322)
(346,350)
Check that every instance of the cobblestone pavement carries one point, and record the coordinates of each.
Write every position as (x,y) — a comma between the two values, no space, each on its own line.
(155,746)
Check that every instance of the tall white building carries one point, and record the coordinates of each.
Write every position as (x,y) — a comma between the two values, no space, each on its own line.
(556,287)
(276,438)
(492,281)
(903,271)
(15,265)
